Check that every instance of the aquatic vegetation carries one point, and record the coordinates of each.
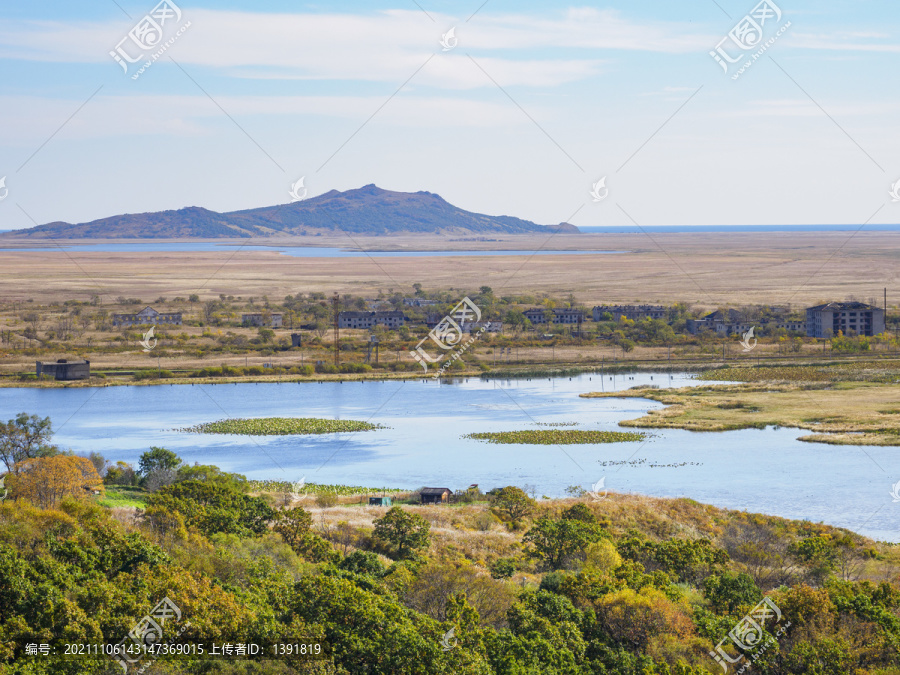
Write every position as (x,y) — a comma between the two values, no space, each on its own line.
(555,437)
(280,426)
(316,489)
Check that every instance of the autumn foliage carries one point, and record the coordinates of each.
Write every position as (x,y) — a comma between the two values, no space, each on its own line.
(44,481)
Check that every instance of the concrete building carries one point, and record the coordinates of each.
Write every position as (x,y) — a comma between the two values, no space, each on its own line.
(633,312)
(560,316)
(258,320)
(146,317)
(367,320)
(64,369)
(729,322)
(848,318)
(476,326)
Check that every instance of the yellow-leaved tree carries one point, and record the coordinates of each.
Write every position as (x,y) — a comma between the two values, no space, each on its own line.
(44,481)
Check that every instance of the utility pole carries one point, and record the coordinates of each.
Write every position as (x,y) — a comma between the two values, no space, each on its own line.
(336,304)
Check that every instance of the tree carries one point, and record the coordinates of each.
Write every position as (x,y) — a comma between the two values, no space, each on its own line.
(213,508)
(210,307)
(728,591)
(512,502)
(294,527)
(44,481)
(121,473)
(266,335)
(157,458)
(25,437)
(99,462)
(193,297)
(406,531)
(556,542)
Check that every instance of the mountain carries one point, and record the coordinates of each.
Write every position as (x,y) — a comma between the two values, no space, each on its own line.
(368,210)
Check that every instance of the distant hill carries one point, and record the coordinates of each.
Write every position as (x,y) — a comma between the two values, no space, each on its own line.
(368,210)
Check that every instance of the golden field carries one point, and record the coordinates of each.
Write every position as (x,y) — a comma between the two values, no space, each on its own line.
(708,269)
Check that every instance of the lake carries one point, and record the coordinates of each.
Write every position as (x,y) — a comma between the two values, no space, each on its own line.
(766,471)
(294,251)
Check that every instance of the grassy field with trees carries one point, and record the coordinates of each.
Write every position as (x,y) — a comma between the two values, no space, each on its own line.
(492,583)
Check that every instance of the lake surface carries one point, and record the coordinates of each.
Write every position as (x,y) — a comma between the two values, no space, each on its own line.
(294,251)
(766,471)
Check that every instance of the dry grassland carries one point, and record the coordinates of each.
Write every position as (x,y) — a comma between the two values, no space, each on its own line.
(859,413)
(709,269)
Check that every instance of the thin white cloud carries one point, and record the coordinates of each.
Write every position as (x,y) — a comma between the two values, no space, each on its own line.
(138,115)
(385,46)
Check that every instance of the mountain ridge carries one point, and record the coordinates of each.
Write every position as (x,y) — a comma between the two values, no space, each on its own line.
(368,210)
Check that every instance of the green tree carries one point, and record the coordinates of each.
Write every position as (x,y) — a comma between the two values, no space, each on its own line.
(512,502)
(213,508)
(25,437)
(403,530)
(156,459)
(294,527)
(557,542)
(730,590)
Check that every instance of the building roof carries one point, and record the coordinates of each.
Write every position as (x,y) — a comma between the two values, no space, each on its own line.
(718,315)
(842,306)
(434,491)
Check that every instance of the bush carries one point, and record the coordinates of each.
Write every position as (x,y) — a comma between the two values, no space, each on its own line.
(326,500)
(363,562)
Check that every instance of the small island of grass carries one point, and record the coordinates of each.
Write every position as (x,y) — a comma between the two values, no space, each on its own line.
(555,436)
(280,426)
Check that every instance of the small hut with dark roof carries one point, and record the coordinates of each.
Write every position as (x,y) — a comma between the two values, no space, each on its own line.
(435,495)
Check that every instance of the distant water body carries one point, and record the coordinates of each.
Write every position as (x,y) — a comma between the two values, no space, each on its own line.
(674,229)
(294,251)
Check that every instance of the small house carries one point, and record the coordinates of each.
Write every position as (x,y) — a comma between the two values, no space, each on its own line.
(435,495)
(379,501)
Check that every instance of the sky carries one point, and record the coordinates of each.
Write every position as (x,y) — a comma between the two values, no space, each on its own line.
(520,111)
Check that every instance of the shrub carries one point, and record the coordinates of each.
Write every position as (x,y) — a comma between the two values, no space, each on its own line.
(632,618)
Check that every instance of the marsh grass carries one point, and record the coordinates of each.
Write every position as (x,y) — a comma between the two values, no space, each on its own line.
(280,426)
(555,436)
(852,411)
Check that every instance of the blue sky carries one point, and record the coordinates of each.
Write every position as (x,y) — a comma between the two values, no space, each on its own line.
(533,104)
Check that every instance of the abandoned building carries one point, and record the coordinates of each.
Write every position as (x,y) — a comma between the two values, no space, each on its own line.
(146,317)
(63,369)
(847,318)
(366,320)
(259,320)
